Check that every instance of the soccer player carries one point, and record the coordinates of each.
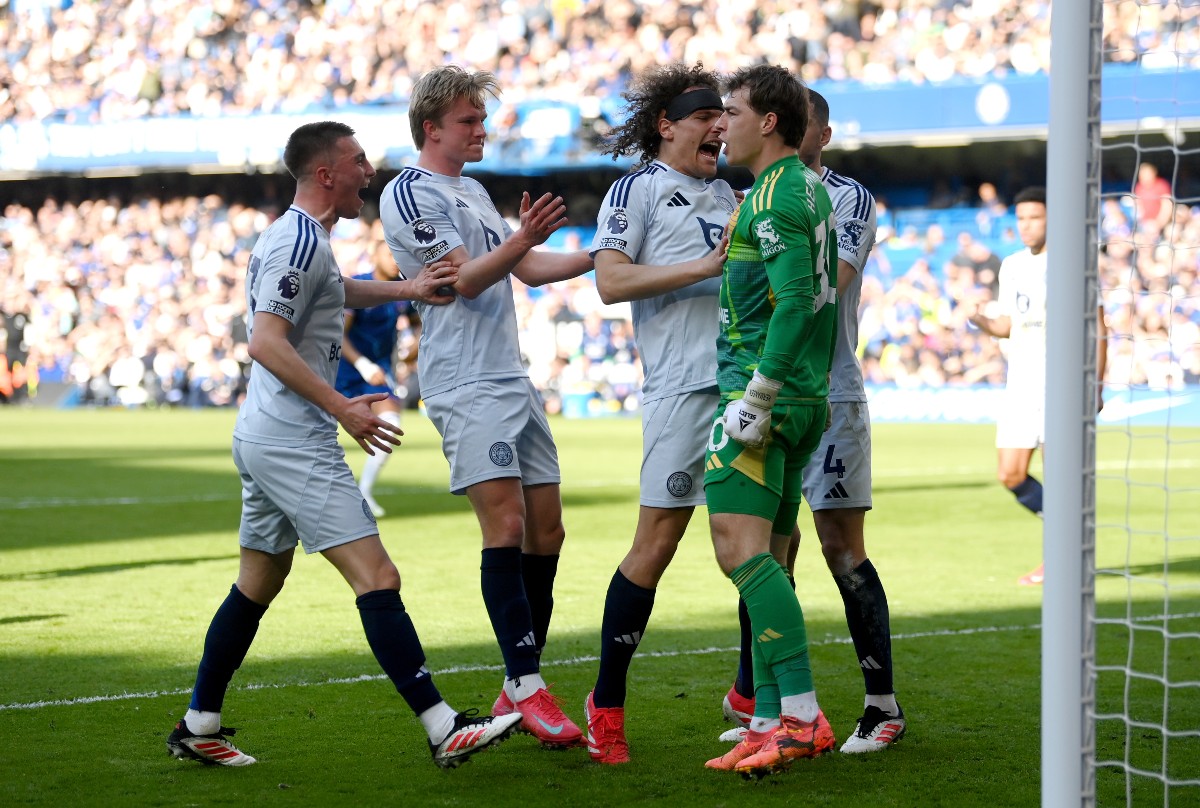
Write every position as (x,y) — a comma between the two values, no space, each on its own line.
(494,431)
(1021,426)
(837,479)
(659,244)
(296,485)
(368,346)
(778,320)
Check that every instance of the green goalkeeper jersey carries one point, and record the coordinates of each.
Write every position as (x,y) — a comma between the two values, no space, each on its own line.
(778,288)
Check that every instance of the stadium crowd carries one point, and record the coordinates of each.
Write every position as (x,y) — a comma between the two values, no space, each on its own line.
(143,303)
(103,62)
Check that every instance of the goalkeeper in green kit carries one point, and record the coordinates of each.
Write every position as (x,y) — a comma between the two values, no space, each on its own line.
(778,310)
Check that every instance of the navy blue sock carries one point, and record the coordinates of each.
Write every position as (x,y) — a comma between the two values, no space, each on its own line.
(870,627)
(393,640)
(627,610)
(744,683)
(229,636)
(508,607)
(1029,494)
(538,572)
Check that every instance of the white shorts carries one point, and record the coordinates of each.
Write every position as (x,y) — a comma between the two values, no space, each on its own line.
(303,494)
(494,429)
(838,474)
(674,435)
(1022,421)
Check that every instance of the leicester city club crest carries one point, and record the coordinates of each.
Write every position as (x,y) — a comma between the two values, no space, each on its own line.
(679,484)
(501,453)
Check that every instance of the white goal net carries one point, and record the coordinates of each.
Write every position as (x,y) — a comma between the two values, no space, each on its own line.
(1122,602)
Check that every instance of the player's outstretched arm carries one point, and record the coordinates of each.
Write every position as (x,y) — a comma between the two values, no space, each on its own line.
(539,220)
(269,347)
(618,279)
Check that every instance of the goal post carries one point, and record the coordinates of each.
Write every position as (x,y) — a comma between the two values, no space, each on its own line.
(1072,191)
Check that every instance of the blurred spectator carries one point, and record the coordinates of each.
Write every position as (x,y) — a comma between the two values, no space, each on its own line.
(1153,204)
(141,303)
(107,61)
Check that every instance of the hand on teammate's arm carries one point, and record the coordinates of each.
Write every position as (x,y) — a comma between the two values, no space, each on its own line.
(435,283)
(270,348)
(362,294)
(618,279)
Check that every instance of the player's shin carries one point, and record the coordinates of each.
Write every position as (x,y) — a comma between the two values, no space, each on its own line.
(229,637)
(393,640)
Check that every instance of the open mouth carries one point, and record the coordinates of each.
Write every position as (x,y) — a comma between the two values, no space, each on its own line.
(711,149)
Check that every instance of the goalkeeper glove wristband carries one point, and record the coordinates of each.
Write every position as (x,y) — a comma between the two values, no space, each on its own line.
(748,419)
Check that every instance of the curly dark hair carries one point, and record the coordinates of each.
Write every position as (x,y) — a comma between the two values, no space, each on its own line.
(646,98)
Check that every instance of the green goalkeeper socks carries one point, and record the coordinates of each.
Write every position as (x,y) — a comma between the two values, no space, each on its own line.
(777,622)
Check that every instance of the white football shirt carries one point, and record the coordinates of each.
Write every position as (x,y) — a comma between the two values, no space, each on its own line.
(854,214)
(425,216)
(658,216)
(1022,298)
(293,274)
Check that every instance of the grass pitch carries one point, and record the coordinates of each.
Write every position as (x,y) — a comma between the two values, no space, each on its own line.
(118,541)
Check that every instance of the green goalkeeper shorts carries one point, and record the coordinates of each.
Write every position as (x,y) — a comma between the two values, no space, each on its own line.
(765,481)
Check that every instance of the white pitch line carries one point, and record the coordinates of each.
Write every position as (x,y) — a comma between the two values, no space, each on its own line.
(580,660)
(573,660)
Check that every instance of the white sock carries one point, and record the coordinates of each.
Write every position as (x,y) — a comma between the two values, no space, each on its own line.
(202,722)
(802,706)
(758,724)
(376,461)
(523,687)
(438,720)
(886,703)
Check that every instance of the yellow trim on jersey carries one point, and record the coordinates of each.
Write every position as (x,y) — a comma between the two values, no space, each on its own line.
(764,197)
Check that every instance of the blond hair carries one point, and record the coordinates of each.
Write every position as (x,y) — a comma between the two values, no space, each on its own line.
(437,90)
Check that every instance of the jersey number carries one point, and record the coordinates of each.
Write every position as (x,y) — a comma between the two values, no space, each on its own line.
(834,465)
(255,264)
(825,292)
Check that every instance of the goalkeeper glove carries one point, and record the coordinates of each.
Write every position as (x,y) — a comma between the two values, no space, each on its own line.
(748,419)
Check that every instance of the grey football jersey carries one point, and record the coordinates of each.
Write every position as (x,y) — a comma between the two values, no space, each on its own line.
(425,216)
(658,217)
(293,274)
(854,214)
